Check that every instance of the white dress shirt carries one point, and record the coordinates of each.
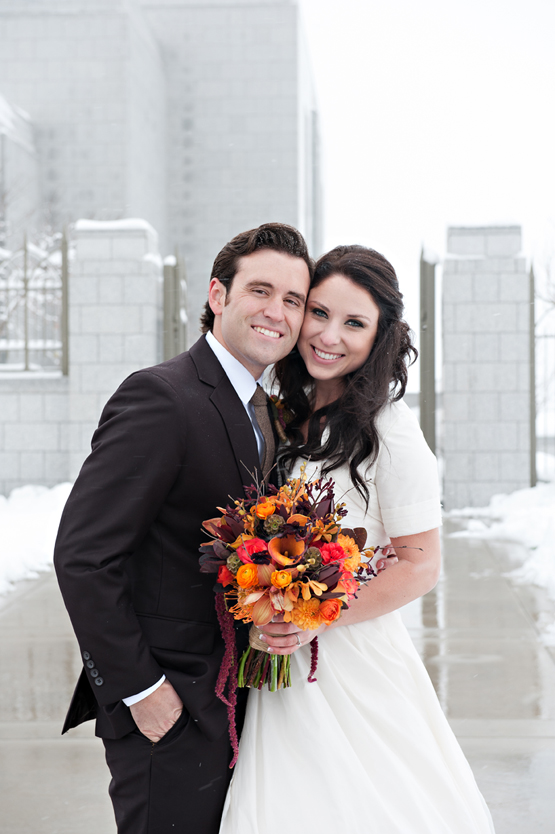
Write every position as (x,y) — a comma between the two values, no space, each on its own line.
(245,385)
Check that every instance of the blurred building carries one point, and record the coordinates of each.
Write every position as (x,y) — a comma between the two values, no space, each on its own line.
(198,116)
(19,176)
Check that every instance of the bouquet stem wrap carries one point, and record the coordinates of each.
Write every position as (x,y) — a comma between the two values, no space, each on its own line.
(257,667)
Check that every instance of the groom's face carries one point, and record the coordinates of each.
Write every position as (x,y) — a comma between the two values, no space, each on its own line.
(259,318)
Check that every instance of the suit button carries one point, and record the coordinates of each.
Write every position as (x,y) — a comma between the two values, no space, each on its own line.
(99,681)
(86,656)
(94,673)
(90,664)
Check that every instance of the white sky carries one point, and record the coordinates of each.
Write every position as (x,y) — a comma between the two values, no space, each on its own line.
(434,113)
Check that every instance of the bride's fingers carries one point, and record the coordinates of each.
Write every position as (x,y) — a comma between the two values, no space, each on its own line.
(278,629)
(283,644)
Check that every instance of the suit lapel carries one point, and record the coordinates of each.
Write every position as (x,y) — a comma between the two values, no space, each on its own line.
(239,430)
(232,411)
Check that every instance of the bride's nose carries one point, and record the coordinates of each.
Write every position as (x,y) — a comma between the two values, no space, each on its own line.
(330,334)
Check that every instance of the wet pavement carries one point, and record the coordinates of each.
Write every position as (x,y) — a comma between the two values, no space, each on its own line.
(477,633)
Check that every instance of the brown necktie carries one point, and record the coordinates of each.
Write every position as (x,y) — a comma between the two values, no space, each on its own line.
(259,402)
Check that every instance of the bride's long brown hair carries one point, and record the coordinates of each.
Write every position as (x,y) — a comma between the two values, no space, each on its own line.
(352,438)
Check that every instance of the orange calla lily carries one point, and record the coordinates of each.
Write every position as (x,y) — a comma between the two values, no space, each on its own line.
(286,550)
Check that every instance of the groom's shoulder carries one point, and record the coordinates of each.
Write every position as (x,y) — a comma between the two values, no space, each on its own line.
(183,372)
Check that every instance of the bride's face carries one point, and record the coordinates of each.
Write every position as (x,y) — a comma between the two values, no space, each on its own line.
(339,328)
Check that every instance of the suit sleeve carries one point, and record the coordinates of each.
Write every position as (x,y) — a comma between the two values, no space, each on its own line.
(135,458)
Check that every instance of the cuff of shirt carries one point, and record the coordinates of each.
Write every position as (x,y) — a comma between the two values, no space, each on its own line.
(134,699)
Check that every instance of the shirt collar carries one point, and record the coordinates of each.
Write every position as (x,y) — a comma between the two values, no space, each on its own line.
(242,380)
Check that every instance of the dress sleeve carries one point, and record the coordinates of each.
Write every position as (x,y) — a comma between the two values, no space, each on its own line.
(406,476)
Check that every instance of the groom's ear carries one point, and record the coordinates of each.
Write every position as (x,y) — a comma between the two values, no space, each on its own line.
(216,296)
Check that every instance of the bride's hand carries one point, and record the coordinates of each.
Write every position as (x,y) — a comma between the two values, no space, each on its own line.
(286,638)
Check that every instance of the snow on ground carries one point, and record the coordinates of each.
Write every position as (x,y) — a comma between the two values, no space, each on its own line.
(526,516)
(29,520)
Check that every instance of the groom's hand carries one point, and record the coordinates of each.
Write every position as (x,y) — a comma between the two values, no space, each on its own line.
(158,712)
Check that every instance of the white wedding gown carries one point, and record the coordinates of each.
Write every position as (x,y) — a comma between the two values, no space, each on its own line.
(366,749)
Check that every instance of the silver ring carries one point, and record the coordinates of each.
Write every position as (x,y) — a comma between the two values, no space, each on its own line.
(298,638)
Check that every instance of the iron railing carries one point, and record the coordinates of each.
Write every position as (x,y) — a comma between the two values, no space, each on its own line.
(175,307)
(34,306)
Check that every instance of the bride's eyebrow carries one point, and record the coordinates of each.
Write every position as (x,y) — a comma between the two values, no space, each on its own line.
(327,309)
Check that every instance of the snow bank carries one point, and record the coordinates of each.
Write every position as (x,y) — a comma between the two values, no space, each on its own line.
(526,516)
(29,521)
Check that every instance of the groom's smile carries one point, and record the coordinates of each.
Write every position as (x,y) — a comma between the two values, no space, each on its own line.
(273,334)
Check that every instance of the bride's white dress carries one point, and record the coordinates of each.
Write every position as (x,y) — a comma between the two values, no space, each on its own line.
(366,749)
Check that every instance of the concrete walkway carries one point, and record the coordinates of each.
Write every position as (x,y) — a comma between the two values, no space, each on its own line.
(477,633)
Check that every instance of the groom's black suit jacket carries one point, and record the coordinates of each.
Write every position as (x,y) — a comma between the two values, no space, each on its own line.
(173,443)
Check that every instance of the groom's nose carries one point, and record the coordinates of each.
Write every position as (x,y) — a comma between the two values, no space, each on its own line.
(274,308)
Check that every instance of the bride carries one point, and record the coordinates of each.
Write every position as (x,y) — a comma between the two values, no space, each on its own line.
(366,749)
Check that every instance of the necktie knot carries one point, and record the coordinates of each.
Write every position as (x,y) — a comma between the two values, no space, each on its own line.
(259,398)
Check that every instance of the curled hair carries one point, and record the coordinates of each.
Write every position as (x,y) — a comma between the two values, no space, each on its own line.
(276,236)
(352,436)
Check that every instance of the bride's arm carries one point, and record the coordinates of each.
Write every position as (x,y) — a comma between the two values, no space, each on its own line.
(416,573)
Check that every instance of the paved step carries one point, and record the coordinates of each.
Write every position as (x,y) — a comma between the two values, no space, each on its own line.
(477,633)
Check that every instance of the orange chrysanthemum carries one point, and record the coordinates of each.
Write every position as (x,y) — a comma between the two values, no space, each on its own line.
(306,614)
(349,545)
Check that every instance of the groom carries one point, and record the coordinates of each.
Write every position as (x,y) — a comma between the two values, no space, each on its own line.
(173,443)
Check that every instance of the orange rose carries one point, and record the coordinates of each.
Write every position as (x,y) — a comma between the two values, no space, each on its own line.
(265,509)
(330,610)
(281,578)
(247,576)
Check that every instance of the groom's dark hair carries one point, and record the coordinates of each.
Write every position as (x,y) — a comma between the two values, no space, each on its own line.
(276,236)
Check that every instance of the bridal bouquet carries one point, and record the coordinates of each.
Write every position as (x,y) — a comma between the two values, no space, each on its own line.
(282,552)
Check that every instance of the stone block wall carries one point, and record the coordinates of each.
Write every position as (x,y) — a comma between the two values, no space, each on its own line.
(486,365)
(115,298)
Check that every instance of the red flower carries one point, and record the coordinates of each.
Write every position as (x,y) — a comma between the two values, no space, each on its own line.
(348,584)
(249,547)
(332,552)
(225,577)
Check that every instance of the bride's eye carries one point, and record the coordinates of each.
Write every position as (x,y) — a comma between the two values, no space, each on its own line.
(354,323)
(319,312)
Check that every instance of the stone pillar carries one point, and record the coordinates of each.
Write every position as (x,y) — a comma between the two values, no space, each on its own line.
(115,319)
(486,365)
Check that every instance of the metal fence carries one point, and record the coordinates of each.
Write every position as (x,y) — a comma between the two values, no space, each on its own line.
(175,307)
(34,307)
(545,378)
